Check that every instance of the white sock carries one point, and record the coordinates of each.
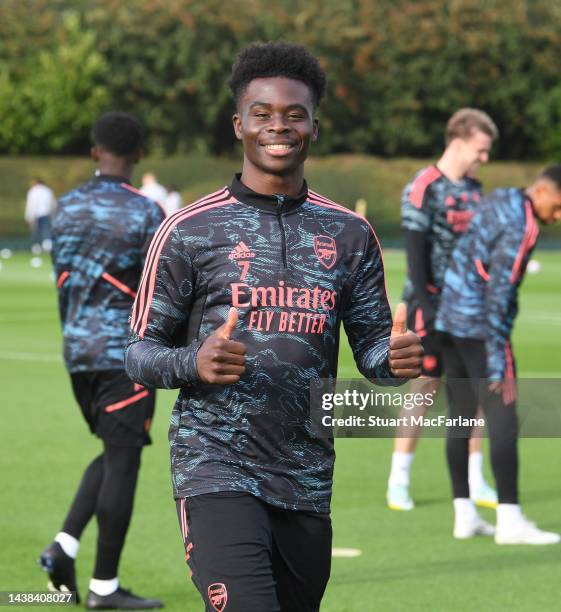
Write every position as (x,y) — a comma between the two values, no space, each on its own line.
(508,514)
(68,543)
(475,471)
(104,587)
(401,465)
(464,509)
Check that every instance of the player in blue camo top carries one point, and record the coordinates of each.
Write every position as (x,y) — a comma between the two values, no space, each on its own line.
(436,209)
(476,314)
(283,266)
(101,234)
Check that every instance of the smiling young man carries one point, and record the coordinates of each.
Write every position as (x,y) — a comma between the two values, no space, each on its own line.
(240,307)
(476,315)
(436,209)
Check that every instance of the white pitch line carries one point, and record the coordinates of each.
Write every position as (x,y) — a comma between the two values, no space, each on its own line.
(346,552)
(42,357)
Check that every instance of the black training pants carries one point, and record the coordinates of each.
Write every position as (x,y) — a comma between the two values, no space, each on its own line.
(465,365)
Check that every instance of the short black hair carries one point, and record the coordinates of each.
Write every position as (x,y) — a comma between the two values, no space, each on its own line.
(118,132)
(277,59)
(553,173)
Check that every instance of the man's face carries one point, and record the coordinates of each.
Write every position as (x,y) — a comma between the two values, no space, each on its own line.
(475,149)
(547,201)
(275,121)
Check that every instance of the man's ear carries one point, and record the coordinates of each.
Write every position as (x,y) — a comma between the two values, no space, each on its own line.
(237,122)
(94,154)
(315,130)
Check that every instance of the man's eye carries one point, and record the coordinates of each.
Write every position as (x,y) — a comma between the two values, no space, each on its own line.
(261,115)
(296,117)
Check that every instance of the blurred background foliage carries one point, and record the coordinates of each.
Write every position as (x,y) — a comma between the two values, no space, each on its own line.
(397,69)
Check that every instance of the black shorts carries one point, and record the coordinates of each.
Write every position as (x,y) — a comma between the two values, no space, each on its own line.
(432,358)
(248,556)
(117,410)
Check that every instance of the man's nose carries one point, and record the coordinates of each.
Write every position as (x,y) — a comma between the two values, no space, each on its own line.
(278,124)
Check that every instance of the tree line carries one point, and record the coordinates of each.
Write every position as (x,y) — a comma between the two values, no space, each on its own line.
(396,69)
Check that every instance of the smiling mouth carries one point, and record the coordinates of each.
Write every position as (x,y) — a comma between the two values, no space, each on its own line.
(278,147)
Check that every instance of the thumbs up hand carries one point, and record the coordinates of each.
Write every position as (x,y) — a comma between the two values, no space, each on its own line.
(406,350)
(221,361)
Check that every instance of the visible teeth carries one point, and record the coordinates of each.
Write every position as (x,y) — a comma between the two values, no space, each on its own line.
(279,147)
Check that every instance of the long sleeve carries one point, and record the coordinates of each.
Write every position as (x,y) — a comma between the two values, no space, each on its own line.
(154,365)
(61,273)
(416,223)
(501,295)
(367,318)
(156,355)
(417,264)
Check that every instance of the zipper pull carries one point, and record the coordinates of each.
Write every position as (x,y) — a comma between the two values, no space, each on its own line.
(280,200)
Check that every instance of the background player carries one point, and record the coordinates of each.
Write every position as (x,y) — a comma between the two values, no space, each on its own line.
(100,237)
(282,265)
(436,208)
(477,311)
(40,206)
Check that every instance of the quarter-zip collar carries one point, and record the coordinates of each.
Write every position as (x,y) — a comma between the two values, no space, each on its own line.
(269,203)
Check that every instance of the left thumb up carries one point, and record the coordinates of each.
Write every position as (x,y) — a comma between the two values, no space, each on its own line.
(399,327)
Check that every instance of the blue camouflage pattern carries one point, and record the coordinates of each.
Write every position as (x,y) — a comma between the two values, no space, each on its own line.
(442,209)
(480,295)
(101,233)
(256,436)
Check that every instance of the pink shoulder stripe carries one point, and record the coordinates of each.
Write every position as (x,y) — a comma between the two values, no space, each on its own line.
(329,204)
(138,192)
(531,233)
(322,198)
(197,204)
(312,198)
(421,183)
(161,231)
(207,197)
(140,321)
(160,236)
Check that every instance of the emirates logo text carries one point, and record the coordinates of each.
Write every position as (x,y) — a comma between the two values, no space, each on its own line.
(307,309)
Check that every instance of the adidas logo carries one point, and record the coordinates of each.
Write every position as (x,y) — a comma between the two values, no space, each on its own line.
(241,251)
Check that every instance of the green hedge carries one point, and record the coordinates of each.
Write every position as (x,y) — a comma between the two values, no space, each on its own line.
(344,178)
(397,70)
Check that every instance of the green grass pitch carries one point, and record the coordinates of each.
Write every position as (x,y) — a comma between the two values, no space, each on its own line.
(409,562)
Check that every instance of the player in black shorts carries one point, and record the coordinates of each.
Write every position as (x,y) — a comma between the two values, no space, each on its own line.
(240,308)
(436,208)
(100,237)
